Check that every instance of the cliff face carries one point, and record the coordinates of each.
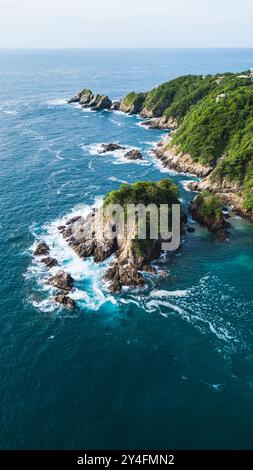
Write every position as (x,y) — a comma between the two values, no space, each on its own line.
(172,157)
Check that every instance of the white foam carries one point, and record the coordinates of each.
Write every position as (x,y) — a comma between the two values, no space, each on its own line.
(82,270)
(11,112)
(185,184)
(166,293)
(200,307)
(141,124)
(57,102)
(217,387)
(112,178)
(119,155)
(90,166)
(117,123)
(58,155)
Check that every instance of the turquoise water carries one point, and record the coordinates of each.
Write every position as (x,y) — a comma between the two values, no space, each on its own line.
(167,367)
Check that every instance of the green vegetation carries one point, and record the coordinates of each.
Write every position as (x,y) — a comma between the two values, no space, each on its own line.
(144,192)
(133,102)
(210,205)
(215,114)
(147,192)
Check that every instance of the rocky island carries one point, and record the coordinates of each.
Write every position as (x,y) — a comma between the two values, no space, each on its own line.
(130,256)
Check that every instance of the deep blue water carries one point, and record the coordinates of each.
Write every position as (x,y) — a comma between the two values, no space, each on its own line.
(168,367)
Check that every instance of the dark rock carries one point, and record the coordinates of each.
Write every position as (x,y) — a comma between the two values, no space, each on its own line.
(149,269)
(61,227)
(100,102)
(103,250)
(115,105)
(110,148)
(133,154)
(73,220)
(222,235)
(65,300)
(84,249)
(42,249)
(66,233)
(86,97)
(83,97)
(190,229)
(49,262)
(62,281)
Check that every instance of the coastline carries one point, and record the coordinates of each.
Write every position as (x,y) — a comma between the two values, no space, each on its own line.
(169,155)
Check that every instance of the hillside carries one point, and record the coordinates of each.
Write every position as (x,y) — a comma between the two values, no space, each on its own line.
(215,125)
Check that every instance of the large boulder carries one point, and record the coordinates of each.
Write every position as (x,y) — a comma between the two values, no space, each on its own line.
(65,300)
(83,97)
(115,105)
(86,97)
(133,154)
(62,281)
(42,249)
(110,148)
(100,102)
(49,262)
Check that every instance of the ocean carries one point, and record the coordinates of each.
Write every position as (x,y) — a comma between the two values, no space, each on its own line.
(166,367)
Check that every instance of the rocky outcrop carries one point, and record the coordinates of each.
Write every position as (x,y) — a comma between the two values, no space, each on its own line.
(206,209)
(160,123)
(86,99)
(110,148)
(73,220)
(228,191)
(62,281)
(65,300)
(42,249)
(49,262)
(133,103)
(133,154)
(92,237)
(83,97)
(174,159)
(99,102)
(116,105)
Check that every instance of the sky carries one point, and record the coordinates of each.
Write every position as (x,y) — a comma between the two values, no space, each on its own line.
(125,23)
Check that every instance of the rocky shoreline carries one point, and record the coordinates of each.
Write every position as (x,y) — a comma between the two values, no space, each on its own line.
(175,160)
(170,155)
